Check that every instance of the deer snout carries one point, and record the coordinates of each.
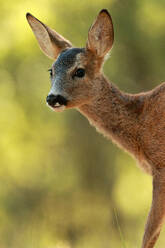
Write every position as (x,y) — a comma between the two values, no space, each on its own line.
(56,100)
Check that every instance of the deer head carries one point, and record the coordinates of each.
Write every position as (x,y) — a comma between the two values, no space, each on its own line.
(75,72)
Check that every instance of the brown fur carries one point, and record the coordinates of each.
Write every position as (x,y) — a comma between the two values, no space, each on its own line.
(135,122)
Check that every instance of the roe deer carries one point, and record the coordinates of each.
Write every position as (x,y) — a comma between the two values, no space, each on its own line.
(136,122)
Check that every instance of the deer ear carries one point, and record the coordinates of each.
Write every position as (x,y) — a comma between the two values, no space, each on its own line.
(50,42)
(101,34)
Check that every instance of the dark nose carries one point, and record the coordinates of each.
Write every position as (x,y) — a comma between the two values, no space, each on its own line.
(53,99)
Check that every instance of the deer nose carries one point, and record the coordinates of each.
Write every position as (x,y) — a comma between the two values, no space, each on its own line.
(54,100)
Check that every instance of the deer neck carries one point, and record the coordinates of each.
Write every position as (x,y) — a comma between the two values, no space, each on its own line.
(115,114)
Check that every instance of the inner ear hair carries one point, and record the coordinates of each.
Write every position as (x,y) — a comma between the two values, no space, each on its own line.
(101,34)
(50,42)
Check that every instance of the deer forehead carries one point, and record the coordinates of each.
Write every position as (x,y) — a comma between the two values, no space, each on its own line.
(69,59)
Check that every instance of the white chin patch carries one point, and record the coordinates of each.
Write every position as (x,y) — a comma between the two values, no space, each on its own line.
(58,108)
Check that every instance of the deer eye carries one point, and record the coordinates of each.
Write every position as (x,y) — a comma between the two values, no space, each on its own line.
(51,72)
(79,73)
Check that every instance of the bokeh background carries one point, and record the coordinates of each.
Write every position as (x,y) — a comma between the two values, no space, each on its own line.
(62,185)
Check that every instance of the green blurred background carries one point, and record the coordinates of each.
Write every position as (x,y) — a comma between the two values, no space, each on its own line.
(62,185)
